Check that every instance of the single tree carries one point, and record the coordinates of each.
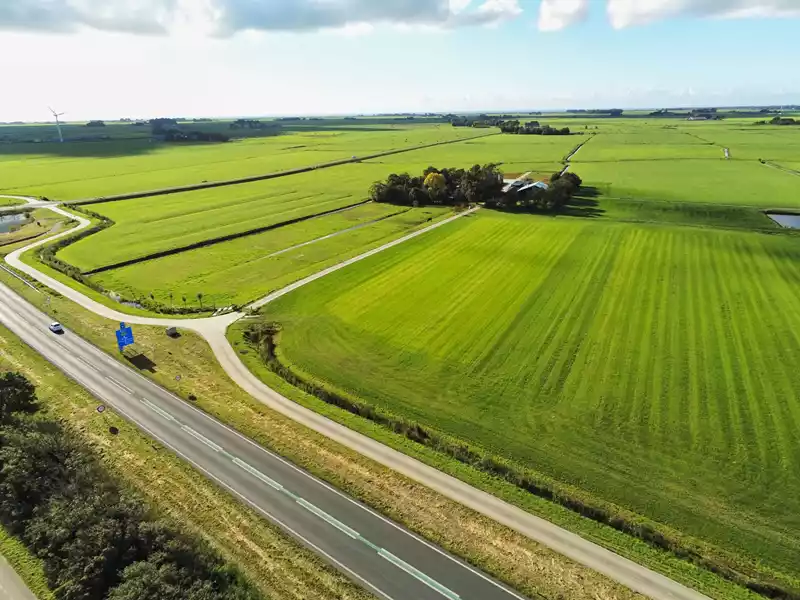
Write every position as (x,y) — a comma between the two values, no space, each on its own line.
(200,299)
(17,394)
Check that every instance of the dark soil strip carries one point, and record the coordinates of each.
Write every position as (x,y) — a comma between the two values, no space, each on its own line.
(263,337)
(226,182)
(220,239)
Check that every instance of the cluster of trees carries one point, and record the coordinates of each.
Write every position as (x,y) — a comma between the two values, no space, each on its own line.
(554,197)
(612,112)
(169,130)
(176,135)
(780,121)
(452,187)
(96,539)
(476,121)
(531,128)
(250,124)
(96,124)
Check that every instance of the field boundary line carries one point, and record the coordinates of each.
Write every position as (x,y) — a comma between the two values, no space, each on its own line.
(263,177)
(774,165)
(221,239)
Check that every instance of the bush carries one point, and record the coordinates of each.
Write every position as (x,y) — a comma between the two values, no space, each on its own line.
(96,539)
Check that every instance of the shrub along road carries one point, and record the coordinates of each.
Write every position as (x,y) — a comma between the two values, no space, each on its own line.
(622,570)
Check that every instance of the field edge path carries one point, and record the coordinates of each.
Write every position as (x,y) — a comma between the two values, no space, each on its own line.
(626,572)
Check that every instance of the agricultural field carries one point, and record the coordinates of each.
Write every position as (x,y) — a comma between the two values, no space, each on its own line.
(79,170)
(147,225)
(765,142)
(243,270)
(515,153)
(745,183)
(646,144)
(651,366)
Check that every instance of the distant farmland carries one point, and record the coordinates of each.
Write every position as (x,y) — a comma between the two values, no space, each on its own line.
(80,170)
(652,366)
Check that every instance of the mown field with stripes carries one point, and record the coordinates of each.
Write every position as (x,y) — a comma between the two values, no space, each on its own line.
(651,366)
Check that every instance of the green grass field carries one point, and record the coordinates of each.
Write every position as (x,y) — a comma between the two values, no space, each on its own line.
(652,366)
(80,170)
(243,270)
(148,225)
(746,183)
(516,154)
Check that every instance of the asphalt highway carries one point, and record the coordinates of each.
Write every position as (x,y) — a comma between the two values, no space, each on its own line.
(378,554)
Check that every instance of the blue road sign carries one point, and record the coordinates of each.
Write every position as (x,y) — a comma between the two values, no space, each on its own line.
(124,336)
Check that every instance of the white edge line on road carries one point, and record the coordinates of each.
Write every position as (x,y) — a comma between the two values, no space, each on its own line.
(87,363)
(215,447)
(417,574)
(257,474)
(124,388)
(330,519)
(158,410)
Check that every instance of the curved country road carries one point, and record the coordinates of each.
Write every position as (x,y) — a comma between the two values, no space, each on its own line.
(618,568)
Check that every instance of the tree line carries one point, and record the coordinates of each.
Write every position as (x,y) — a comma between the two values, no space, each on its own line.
(458,187)
(98,541)
(779,121)
(447,187)
(531,128)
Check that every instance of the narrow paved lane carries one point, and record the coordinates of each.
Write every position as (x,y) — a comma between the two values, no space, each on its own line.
(11,585)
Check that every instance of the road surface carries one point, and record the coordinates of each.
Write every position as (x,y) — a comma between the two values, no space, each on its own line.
(11,586)
(381,556)
(620,569)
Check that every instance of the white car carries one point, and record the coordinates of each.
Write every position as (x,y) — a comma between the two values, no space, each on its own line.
(56,328)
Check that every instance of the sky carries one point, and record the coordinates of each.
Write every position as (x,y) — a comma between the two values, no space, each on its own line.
(109,59)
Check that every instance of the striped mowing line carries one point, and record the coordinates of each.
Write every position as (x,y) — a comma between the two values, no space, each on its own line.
(417,574)
(158,410)
(258,474)
(326,517)
(202,438)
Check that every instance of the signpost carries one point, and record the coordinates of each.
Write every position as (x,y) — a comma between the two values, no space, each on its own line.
(124,336)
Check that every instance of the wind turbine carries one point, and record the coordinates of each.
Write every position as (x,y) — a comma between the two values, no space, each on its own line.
(58,124)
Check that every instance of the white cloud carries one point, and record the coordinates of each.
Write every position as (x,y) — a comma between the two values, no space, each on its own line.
(625,13)
(135,16)
(555,15)
(227,17)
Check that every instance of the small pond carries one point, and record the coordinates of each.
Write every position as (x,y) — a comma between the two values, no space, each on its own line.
(786,220)
(7,222)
